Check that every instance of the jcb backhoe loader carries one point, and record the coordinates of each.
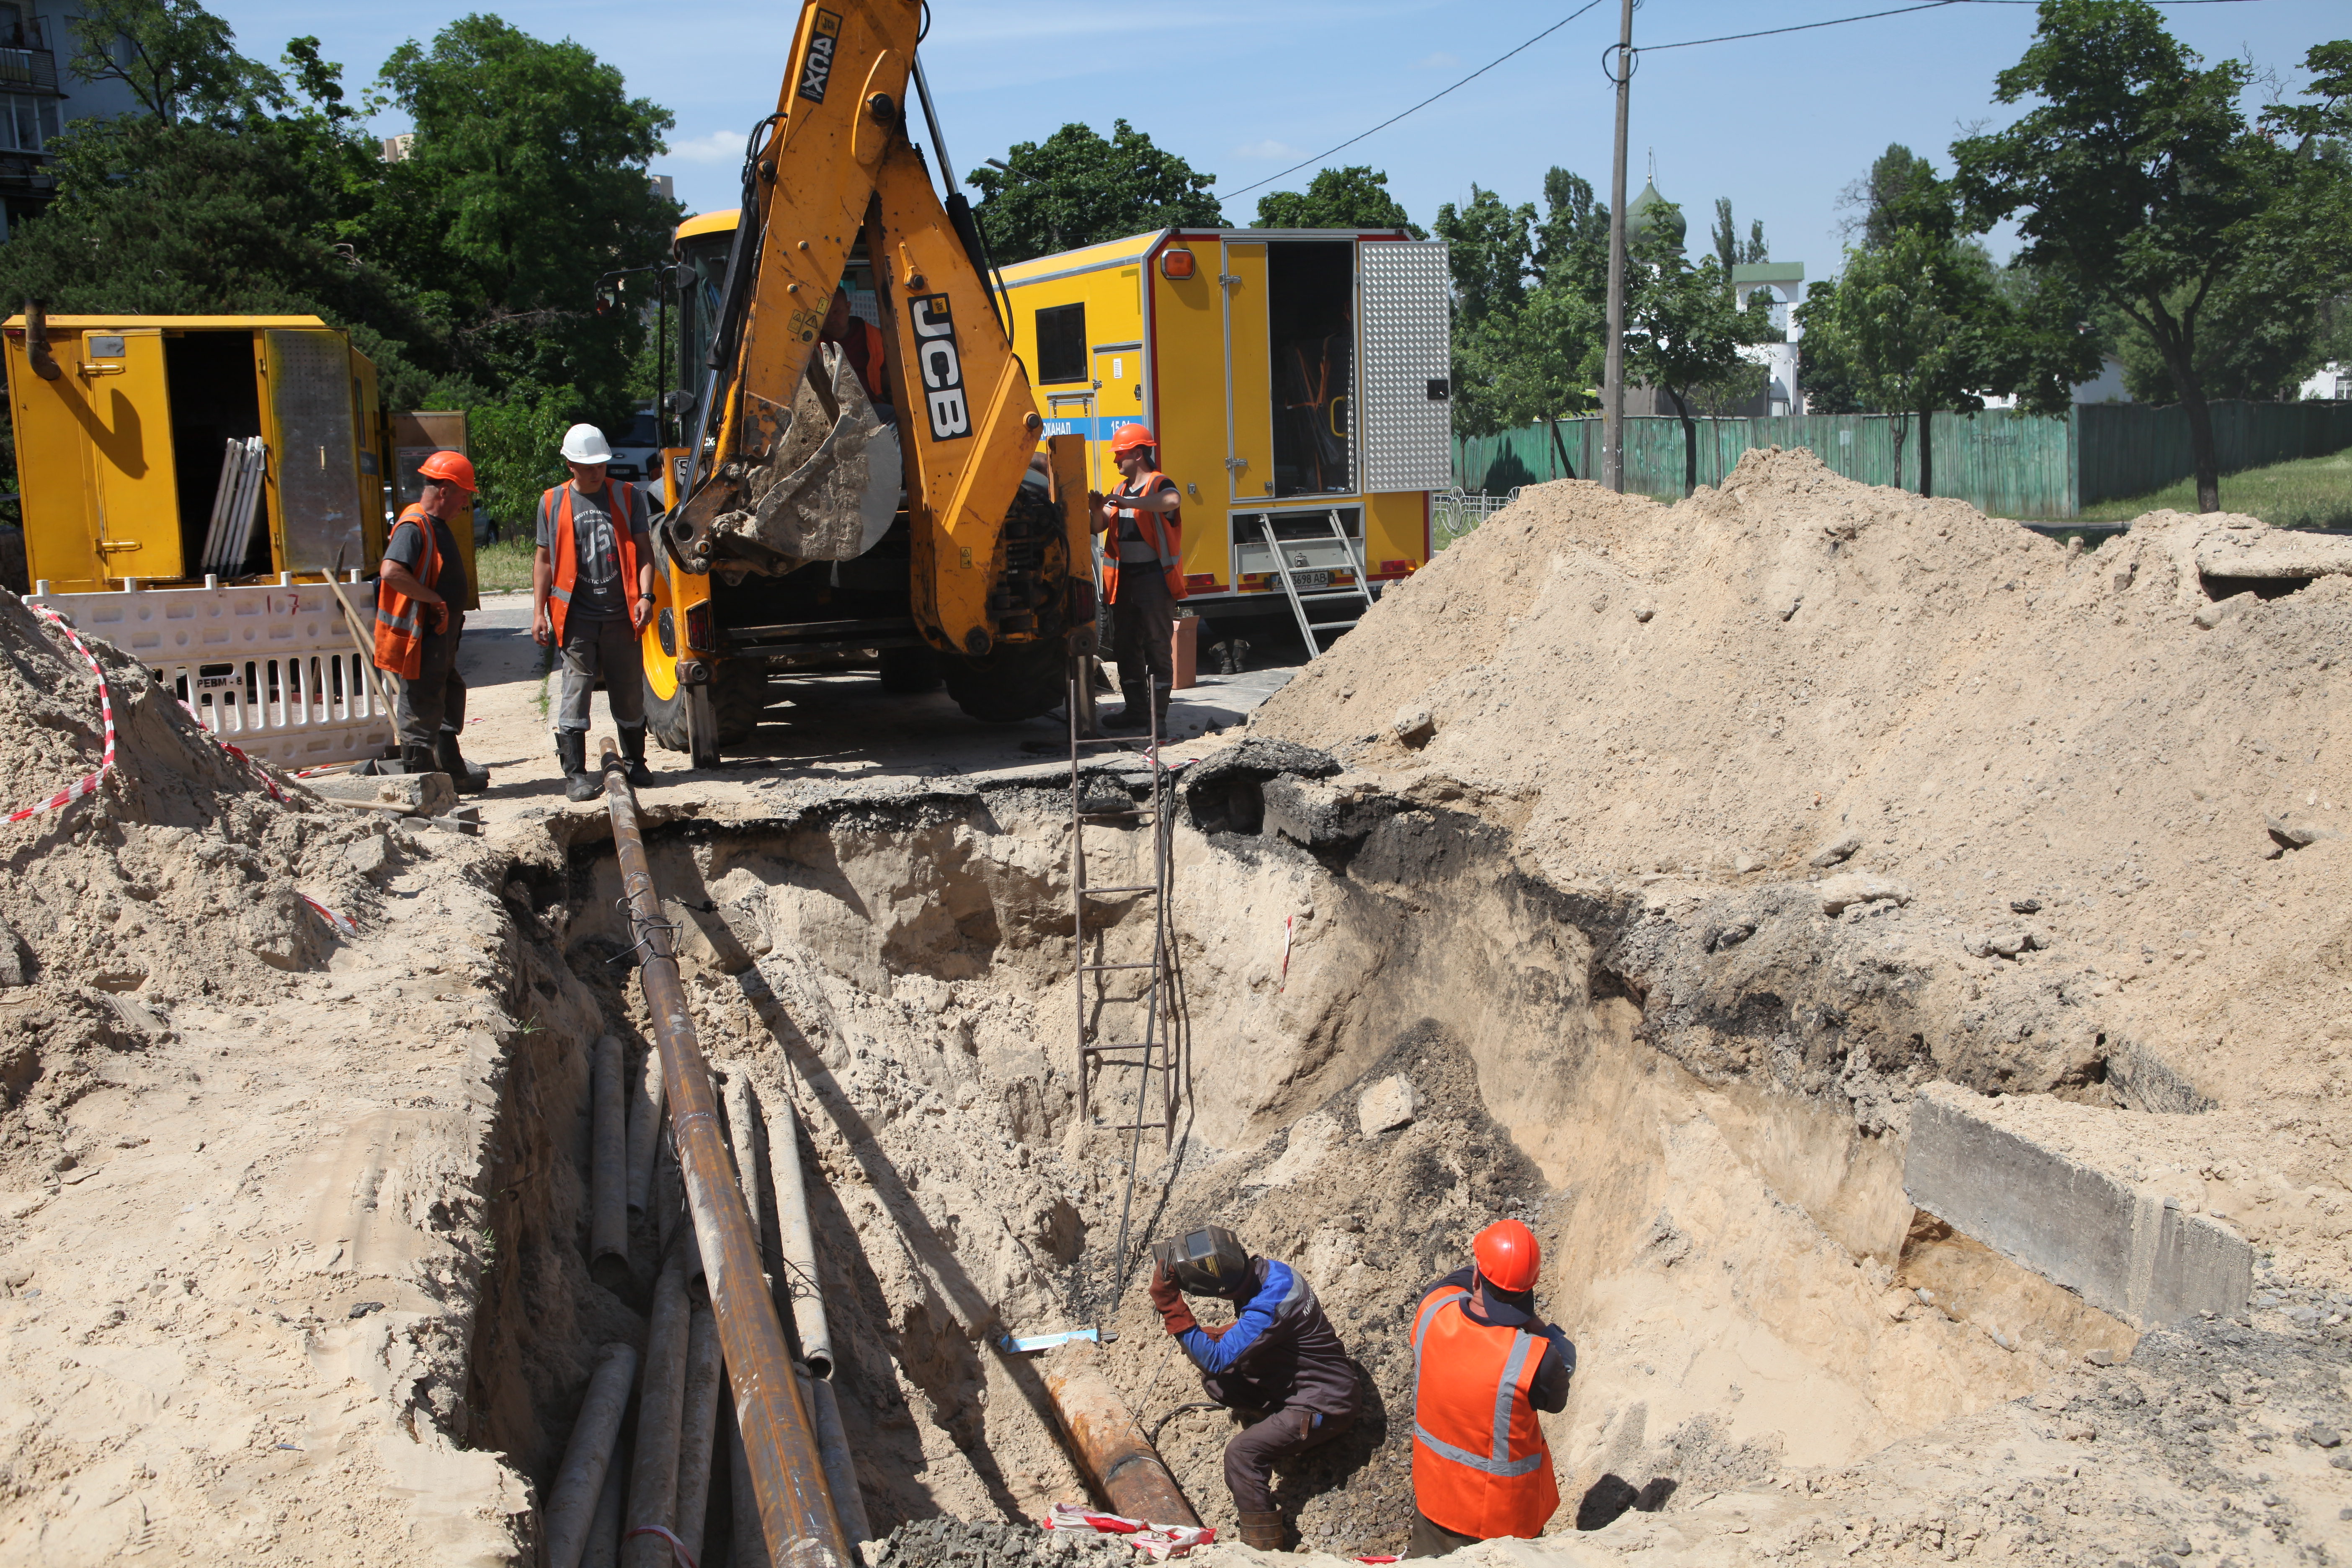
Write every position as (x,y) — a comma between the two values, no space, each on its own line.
(817,522)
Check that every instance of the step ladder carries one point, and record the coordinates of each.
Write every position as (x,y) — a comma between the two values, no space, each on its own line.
(1136,1032)
(1359,590)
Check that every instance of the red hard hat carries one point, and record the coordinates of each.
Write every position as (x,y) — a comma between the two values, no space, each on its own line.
(449,468)
(1130,437)
(1507,1255)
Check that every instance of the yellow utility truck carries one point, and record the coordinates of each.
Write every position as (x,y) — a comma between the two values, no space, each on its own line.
(156,450)
(1298,383)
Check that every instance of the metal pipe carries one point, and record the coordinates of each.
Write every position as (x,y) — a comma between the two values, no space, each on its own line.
(645,1130)
(787,1477)
(797,1280)
(604,1534)
(703,1375)
(608,1170)
(571,1506)
(661,1404)
(832,1450)
(1117,1458)
(744,1139)
(669,1207)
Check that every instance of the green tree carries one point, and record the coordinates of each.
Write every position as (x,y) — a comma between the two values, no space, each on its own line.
(529,160)
(175,56)
(1730,250)
(2135,175)
(1683,334)
(1900,191)
(1074,188)
(1353,197)
(1528,304)
(1915,325)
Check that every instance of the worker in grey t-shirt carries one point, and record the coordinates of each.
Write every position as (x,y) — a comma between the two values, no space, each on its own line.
(592,585)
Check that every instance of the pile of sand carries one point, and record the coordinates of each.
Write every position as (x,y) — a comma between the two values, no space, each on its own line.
(2091,784)
(182,878)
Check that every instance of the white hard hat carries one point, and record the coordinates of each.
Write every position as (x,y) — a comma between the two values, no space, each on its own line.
(586,444)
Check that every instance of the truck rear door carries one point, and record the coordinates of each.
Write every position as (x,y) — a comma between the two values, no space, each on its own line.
(1249,388)
(1406,383)
(129,429)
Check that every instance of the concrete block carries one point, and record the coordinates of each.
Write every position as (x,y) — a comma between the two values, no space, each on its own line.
(1386,1106)
(2027,1180)
(1316,815)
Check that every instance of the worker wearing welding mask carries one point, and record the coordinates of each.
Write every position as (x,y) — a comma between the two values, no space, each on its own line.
(1279,1362)
(1483,1365)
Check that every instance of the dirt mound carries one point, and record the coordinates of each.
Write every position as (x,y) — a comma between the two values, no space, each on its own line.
(2112,775)
(180,878)
(946,1542)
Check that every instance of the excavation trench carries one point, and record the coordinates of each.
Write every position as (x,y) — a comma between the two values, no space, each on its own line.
(1693,1103)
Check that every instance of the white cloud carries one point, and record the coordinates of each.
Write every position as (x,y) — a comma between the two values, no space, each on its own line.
(1269,149)
(718,147)
(1439,61)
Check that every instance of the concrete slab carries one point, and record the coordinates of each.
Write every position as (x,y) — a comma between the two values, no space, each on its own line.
(2051,1186)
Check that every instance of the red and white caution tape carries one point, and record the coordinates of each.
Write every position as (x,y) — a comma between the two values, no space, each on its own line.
(87,785)
(1157,1541)
(342,925)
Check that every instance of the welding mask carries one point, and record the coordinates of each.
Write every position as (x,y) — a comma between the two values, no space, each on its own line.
(1211,1261)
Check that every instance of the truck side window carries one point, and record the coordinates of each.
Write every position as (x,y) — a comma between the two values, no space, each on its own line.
(1062,343)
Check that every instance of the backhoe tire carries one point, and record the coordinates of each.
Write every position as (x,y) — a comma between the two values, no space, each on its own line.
(1016,681)
(737,696)
(738,693)
(910,671)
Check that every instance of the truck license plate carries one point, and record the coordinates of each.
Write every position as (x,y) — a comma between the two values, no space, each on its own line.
(1308,580)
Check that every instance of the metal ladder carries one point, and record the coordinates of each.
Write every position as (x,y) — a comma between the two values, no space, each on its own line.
(1358,590)
(1151,1057)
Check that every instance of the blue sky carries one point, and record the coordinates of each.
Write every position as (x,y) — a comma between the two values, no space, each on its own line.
(1244,86)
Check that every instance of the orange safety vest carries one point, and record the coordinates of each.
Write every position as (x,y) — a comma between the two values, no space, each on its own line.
(1165,534)
(399,620)
(567,553)
(1480,1465)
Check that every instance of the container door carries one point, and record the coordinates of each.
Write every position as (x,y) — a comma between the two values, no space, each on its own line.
(1072,413)
(138,489)
(416,436)
(1249,367)
(1406,378)
(315,512)
(1118,400)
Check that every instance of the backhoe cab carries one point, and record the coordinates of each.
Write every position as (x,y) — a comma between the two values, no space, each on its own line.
(817,522)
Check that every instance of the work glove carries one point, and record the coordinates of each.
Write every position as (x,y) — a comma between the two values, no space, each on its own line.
(1173,1312)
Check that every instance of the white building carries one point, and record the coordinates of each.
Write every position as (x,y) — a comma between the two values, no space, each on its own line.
(39,97)
(2331,381)
(1783,284)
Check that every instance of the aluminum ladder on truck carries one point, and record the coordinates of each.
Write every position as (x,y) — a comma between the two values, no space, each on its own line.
(1299,599)
(1151,1053)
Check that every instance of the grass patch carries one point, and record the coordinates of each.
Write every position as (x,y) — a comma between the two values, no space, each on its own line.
(505,566)
(2309,492)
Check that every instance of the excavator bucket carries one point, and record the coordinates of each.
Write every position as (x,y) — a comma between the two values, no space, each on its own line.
(834,479)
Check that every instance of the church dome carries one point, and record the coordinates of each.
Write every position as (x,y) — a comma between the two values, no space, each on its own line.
(1650,209)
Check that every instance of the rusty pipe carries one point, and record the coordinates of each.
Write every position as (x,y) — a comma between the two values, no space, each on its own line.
(832,1451)
(36,340)
(645,1130)
(787,1477)
(608,1170)
(1117,1458)
(571,1506)
(661,1406)
(796,1280)
(703,1374)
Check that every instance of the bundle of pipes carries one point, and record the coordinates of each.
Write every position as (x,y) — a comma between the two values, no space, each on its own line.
(789,1457)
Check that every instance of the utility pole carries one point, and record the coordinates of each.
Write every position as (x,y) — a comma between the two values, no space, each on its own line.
(1612,408)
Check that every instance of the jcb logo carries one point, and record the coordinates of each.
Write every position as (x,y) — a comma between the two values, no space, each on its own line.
(816,70)
(941,367)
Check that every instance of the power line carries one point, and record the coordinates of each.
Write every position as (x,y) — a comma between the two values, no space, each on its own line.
(1686,44)
(1425,104)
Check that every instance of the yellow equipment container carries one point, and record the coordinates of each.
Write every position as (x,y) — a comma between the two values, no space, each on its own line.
(121,456)
(1298,379)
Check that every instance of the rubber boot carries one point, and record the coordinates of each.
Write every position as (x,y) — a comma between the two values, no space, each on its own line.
(464,776)
(1127,720)
(416,757)
(572,757)
(633,749)
(1262,1530)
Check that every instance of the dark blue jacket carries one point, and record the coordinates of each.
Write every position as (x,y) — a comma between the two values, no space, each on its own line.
(1281,1350)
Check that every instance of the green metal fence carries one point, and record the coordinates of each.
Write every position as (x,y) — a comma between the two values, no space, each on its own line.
(2003,464)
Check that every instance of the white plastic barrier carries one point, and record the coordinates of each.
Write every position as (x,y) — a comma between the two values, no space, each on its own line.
(270,669)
